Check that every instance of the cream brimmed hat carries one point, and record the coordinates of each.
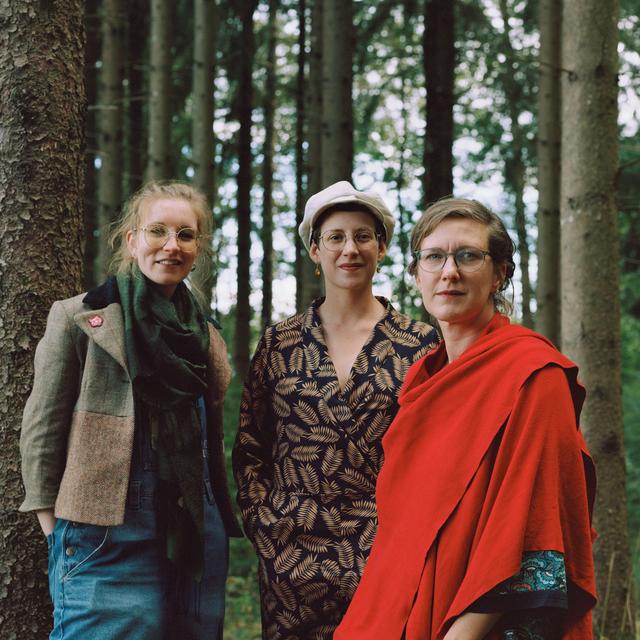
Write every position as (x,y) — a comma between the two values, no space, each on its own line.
(344,192)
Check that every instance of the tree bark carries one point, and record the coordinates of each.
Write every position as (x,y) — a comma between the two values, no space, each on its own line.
(269,101)
(548,284)
(159,142)
(337,80)
(245,107)
(590,262)
(312,285)
(42,107)
(439,64)
(135,121)
(110,134)
(514,162)
(91,56)
(202,137)
(301,257)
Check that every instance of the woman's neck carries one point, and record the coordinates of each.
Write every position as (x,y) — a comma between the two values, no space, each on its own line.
(458,337)
(348,308)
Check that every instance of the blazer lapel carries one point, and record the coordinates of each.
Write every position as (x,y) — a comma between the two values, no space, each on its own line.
(106,328)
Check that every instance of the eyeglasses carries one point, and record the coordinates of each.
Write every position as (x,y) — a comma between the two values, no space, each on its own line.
(467,259)
(157,235)
(334,240)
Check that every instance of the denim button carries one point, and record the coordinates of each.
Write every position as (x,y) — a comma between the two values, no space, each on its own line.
(70,551)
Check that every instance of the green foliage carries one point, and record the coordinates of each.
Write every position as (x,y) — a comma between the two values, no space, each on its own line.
(242,618)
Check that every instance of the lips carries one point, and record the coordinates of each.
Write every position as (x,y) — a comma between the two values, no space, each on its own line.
(168,263)
(350,267)
(450,293)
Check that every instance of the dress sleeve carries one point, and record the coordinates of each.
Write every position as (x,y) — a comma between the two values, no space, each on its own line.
(47,415)
(252,458)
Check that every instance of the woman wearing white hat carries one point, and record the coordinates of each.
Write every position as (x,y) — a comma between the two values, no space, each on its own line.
(320,394)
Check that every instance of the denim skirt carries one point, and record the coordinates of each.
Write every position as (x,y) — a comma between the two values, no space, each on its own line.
(112,583)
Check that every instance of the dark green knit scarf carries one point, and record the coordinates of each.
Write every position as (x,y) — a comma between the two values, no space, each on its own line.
(167,343)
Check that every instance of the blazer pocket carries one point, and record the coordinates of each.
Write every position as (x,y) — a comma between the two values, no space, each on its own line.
(96,476)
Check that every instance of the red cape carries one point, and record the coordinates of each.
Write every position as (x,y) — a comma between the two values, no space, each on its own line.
(483,461)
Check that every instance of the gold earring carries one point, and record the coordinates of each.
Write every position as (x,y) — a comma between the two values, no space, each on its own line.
(378,268)
(316,273)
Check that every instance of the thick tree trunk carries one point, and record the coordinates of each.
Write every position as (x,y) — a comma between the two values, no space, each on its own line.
(136,94)
(337,80)
(269,101)
(312,285)
(202,138)
(589,261)
(42,106)
(548,285)
(301,256)
(110,140)
(159,142)
(514,163)
(439,63)
(245,107)
(91,56)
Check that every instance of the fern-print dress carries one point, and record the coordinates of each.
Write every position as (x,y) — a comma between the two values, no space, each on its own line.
(306,460)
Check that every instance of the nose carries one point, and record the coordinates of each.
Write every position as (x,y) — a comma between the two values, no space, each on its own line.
(450,268)
(350,245)
(172,242)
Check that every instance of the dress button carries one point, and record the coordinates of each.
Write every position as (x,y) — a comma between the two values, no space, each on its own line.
(70,551)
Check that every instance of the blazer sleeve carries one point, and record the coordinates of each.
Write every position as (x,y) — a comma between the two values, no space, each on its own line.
(47,414)
(252,460)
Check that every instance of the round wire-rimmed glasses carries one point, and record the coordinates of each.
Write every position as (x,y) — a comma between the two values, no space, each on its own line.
(467,259)
(334,239)
(157,235)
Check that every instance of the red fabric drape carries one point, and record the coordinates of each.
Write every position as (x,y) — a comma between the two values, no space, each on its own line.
(483,461)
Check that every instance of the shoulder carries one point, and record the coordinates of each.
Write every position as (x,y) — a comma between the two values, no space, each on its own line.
(70,306)
(286,331)
(406,331)
(219,369)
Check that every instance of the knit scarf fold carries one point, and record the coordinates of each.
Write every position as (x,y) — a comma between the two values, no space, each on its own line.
(167,343)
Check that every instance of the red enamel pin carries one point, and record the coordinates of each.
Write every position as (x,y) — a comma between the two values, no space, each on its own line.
(95,321)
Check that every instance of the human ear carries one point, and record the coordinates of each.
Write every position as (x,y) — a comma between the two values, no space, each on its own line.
(314,252)
(500,273)
(131,243)
(382,250)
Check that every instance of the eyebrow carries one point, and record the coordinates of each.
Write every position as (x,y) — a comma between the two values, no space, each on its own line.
(354,231)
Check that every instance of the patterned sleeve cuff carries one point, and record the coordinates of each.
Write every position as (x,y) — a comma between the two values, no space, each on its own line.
(541,582)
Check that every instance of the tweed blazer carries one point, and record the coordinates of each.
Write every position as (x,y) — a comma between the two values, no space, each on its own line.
(78,423)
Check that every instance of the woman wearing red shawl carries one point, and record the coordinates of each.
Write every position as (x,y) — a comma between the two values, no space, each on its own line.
(484,512)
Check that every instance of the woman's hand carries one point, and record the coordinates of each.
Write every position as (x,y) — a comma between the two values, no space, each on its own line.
(47,520)
(472,626)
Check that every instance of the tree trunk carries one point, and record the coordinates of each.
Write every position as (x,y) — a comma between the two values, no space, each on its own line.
(202,138)
(267,167)
(136,95)
(91,56)
(514,163)
(245,107)
(312,285)
(548,285)
(110,140)
(589,263)
(41,190)
(439,64)
(337,102)
(301,257)
(159,142)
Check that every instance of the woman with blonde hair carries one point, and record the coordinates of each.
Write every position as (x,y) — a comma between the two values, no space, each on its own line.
(486,492)
(122,438)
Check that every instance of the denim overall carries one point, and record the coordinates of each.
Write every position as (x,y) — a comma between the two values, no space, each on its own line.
(112,583)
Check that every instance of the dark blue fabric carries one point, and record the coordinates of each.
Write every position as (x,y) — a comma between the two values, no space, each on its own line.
(115,582)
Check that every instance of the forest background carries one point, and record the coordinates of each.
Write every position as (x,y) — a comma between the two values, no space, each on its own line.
(530,106)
